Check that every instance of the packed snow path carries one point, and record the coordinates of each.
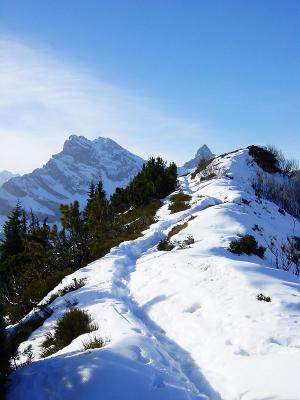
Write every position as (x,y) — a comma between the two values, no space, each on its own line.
(183,324)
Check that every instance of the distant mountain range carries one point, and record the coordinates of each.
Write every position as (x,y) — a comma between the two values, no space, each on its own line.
(5,176)
(67,176)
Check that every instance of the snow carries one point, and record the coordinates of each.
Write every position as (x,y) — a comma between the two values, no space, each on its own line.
(183,324)
(67,176)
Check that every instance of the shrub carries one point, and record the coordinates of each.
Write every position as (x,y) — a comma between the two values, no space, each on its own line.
(285,193)
(273,160)
(180,202)
(264,158)
(94,343)
(262,297)
(179,206)
(21,333)
(176,229)
(165,245)
(180,197)
(247,244)
(72,324)
(76,284)
(186,242)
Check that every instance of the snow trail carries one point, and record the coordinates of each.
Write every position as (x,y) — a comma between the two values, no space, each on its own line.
(183,324)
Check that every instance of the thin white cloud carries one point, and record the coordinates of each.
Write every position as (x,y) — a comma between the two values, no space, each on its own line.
(44,100)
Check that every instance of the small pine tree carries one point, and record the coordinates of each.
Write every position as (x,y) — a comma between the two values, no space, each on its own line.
(13,229)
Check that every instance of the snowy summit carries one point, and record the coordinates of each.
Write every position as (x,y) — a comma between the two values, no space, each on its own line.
(68,175)
(184,324)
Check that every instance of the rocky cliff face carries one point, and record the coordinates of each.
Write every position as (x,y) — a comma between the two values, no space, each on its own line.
(67,175)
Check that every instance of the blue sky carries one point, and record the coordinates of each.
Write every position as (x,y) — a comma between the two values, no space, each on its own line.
(160,76)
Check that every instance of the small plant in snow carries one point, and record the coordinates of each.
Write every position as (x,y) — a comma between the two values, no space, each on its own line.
(186,243)
(165,245)
(246,244)
(72,324)
(262,297)
(94,343)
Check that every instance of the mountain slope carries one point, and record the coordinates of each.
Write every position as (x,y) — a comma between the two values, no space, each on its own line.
(67,176)
(184,324)
(5,176)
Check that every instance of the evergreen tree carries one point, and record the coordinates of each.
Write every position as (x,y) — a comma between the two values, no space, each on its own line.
(75,233)
(13,229)
(98,218)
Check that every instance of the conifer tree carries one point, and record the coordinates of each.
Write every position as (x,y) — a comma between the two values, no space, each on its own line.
(75,233)
(13,229)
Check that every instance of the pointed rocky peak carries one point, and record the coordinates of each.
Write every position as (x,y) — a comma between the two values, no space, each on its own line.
(203,153)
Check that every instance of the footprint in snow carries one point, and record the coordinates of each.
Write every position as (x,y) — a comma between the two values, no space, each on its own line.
(158,382)
(192,308)
(140,355)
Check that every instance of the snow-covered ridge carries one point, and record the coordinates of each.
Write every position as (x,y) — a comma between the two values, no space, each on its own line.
(67,175)
(183,324)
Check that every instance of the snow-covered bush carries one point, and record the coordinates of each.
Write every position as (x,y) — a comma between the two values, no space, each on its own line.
(285,192)
(72,324)
(287,254)
(184,244)
(246,244)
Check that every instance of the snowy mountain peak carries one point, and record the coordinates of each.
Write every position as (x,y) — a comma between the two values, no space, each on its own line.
(203,153)
(68,174)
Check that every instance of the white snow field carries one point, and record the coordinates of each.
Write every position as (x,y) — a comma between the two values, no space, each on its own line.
(183,324)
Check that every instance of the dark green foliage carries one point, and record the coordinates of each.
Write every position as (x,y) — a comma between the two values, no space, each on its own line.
(72,324)
(75,234)
(154,181)
(265,159)
(94,343)
(180,196)
(4,357)
(262,297)
(179,202)
(165,245)
(247,244)
(13,229)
